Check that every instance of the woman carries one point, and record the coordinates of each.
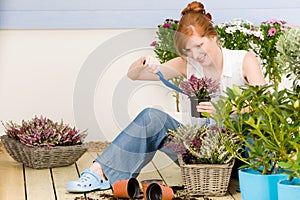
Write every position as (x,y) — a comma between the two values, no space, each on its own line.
(197,42)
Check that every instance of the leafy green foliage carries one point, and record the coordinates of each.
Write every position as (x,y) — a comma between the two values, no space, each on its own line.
(266,120)
(288,57)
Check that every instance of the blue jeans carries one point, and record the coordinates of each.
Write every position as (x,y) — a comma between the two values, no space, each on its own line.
(136,145)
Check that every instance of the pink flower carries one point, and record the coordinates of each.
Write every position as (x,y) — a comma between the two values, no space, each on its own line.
(153,43)
(273,21)
(166,25)
(271,31)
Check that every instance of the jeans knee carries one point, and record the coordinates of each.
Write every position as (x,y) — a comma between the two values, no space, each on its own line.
(150,114)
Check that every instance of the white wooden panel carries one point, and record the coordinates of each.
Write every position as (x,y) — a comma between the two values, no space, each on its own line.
(35,14)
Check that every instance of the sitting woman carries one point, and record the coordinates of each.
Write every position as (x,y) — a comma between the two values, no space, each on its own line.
(197,42)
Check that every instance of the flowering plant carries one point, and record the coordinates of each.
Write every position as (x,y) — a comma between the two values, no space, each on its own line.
(202,88)
(43,132)
(164,47)
(205,145)
(165,50)
(243,35)
(238,34)
(272,29)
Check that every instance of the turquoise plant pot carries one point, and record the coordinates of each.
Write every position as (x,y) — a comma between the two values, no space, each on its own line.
(255,186)
(289,189)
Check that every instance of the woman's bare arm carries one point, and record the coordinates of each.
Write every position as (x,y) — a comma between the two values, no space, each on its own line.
(146,68)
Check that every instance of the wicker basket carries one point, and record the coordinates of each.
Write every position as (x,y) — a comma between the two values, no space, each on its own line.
(43,157)
(205,179)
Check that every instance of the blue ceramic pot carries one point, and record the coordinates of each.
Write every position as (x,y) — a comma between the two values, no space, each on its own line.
(289,189)
(255,186)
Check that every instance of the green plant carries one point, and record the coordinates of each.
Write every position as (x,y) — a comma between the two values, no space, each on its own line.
(165,50)
(164,47)
(288,57)
(43,132)
(266,121)
(205,145)
(288,46)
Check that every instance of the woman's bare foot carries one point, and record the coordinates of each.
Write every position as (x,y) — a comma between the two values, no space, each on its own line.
(96,167)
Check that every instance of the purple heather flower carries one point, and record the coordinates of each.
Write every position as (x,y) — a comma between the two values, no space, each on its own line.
(201,88)
(153,43)
(271,31)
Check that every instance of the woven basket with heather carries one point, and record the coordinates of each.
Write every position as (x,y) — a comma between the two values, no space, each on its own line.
(42,143)
(205,162)
(205,179)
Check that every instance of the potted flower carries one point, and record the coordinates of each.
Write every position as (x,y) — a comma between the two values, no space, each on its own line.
(267,122)
(43,143)
(288,46)
(165,49)
(205,162)
(199,90)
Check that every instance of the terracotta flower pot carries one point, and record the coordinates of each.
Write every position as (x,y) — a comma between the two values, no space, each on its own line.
(159,192)
(126,188)
(146,183)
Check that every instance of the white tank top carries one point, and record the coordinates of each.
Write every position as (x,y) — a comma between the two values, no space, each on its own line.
(232,74)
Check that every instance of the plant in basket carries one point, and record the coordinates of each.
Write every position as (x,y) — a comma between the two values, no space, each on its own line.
(43,143)
(199,90)
(205,162)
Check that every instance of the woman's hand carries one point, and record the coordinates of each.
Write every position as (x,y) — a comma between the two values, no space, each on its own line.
(206,107)
(151,64)
(145,68)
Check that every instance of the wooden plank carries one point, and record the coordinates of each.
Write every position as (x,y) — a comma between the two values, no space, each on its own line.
(11,178)
(233,186)
(61,176)
(39,184)
(168,169)
(149,172)
(227,196)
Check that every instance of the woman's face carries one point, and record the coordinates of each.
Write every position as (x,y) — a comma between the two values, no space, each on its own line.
(200,49)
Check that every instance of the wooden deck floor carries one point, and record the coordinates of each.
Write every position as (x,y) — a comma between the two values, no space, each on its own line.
(18,182)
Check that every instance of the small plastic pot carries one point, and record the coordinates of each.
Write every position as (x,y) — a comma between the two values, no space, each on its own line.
(146,183)
(159,192)
(126,188)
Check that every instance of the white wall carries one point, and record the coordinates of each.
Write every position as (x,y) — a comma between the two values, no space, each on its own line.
(39,70)
(79,75)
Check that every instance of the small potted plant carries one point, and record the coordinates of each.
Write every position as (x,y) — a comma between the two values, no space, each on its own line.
(43,143)
(205,162)
(199,90)
(267,122)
